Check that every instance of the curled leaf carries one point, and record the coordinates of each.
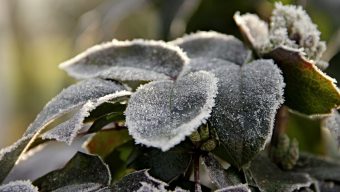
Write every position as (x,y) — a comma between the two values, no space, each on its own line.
(162,113)
(214,45)
(18,186)
(69,99)
(128,60)
(68,130)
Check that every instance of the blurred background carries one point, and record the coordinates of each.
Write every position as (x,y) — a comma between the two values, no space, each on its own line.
(36,35)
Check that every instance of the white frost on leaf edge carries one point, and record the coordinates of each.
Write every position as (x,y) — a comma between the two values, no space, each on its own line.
(27,186)
(187,128)
(116,43)
(240,186)
(77,119)
(201,35)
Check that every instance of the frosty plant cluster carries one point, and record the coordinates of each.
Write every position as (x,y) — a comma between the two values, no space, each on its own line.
(205,97)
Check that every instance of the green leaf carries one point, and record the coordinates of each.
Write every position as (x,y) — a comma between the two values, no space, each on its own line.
(105,120)
(269,178)
(320,168)
(165,166)
(18,186)
(143,60)
(81,169)
(308,90)
(102,143)
(162,113)
(137,180)
(246,104)
(214,45)
(119,158)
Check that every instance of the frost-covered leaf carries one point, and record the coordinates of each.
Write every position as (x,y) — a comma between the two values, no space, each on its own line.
(290,26)
(136,181)
(319,168)
(308,90)
(81,169)
(18,186)
(205,64)
(102,143)
(333,124)
(268,177)
(217,173)
(128,60)
(165,166)
(85,187)
(245,107)
(162,113)
(10,154)
(69,99)
(255,31)
(214,45)
(68,130)
(73,97)
(236,188)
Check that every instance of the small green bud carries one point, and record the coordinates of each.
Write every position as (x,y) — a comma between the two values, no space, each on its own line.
(204,132)
(209,145)
(195,137)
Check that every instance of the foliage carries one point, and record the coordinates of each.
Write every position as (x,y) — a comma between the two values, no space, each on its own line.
(203,97)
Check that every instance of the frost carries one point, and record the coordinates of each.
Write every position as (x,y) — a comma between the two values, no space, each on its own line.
(137,181)
(299,28)
(10,154)
(214,45)
(81,169)
(86,187)
(216,172)
(290,27)
(269,177)
(246,106)
(18,186)
(333,124)
(68,130)
(161,114)
(236,188)
(128,60)
(70,98)
(205,64)
(256,29)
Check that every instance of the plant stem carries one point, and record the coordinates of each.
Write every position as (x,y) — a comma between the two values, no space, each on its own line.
(197,172)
